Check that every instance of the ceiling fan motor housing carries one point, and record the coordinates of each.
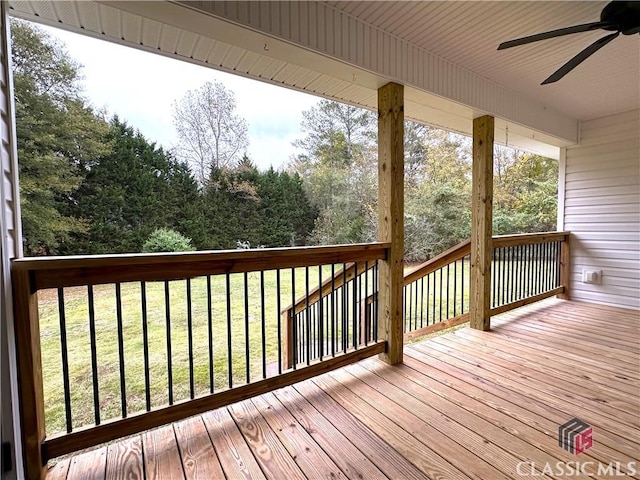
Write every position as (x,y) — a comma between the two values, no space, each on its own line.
(623,17)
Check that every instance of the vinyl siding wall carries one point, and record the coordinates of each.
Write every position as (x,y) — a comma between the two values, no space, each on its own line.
(9,248)
(602,209)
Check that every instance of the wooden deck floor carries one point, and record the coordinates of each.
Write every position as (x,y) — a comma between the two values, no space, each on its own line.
(464,405)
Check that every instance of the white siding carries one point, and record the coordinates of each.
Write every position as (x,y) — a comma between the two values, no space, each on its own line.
(9,245)
(602,209)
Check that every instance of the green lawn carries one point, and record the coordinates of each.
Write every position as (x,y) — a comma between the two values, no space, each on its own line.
(78,337)
(79,350)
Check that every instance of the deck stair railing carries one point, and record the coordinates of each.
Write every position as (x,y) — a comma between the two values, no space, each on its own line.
(525,268)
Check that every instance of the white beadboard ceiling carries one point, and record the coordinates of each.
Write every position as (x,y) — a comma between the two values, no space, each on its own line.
(321,48)
(467,33)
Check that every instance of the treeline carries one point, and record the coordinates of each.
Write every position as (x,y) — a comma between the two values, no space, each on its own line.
(91,185)
(339,169)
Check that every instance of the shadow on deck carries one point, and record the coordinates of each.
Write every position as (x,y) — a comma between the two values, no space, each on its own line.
(468,404)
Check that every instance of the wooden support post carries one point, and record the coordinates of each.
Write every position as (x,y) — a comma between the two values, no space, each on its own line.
(391,217)
(565,268)
(481,218)
(288,344)
(27,332)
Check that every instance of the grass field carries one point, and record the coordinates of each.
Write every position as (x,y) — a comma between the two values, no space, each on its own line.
(243,321)
(107,352)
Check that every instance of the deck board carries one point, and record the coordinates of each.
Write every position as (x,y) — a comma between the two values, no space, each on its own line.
(124,460)
(467,404)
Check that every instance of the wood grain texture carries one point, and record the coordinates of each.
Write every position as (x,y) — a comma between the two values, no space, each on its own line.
(233,452)
(417,449)
(52,272)
(526,301)
(565,268)
(481,219)
(311,459)
(29,360)
(386,458)
(457,252)
(468,404)
(273,457)
(500,241)
(89,465)
(437,327)
(124,460)
(349,459)
(79,439)
(199,458)
(391,217)
(60,470)
(161,456)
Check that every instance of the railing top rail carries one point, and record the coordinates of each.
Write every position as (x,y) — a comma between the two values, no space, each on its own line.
(53,272)
(528,238)
(456,252)
(328,285)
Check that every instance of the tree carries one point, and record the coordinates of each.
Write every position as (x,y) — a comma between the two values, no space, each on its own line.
(131,191)
(58,136)
(339,170)
(212,135)
(525,194)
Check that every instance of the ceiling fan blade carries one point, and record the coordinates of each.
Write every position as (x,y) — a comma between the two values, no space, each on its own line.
(554,33)
(579,58)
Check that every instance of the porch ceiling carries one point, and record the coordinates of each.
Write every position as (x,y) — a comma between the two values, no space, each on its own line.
(467,33)
(443,51)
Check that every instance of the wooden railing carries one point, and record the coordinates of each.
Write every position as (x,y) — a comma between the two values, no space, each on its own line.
(112,345)
(528,268)
(525,268)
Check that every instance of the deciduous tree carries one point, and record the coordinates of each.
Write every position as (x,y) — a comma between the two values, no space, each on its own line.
(212,135)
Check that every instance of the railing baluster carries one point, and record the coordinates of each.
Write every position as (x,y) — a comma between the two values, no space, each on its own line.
(65,360)
(263,326)
(376,289)
(145,345)
(354,318)
(428,298)
(308,315)
(94,355)
(440,294)
(294,322)
(421,302)
(247,349)
(229,344)
(447,289)
(505,282)
(320,315)
(167,313)
(455,287)
(557,263)
(365,315)
(408,327)
(279,319)
(192,387)
(123,382)
(345,308)
(334,334)
(433,316)
(210,334)
(461,287)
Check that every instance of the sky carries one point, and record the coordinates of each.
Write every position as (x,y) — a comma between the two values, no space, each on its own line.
(140,87)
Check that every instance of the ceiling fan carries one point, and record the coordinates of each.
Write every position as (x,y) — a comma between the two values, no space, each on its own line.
(618,17)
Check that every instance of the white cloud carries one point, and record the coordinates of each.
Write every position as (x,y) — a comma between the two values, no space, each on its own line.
(140,88)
